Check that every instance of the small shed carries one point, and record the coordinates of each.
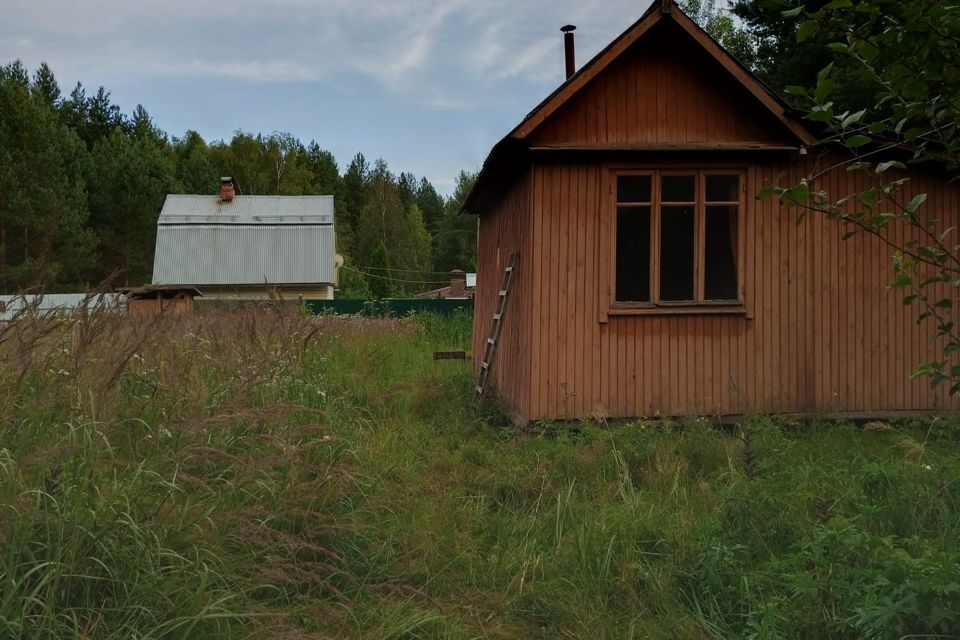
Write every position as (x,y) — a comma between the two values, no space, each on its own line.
(461,285)
(650,278)
(247,247)
(153,300)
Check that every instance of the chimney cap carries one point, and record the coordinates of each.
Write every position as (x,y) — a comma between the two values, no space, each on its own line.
(226,180)
(567,28)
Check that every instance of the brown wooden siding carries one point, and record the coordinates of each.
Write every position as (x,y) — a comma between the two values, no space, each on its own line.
(505,229)
(821,332)
(657,92)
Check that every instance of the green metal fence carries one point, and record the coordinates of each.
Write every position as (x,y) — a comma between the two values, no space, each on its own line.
(397,307)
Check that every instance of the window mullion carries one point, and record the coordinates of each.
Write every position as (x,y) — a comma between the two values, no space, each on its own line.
(699,227)
(655,239)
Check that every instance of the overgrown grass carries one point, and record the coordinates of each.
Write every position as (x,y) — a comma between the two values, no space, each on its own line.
(270,475)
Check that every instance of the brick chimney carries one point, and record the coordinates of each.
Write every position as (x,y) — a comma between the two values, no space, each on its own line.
(226,189)
(458,283)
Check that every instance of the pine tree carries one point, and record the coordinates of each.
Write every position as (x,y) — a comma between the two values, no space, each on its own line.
(128,181)
(456,245)
(45,85)
(354,200)
(379,281)
(43,240)
(422,250)
(430,203)
(196,172)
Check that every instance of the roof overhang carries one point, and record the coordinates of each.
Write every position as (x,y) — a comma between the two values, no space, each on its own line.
(161,291)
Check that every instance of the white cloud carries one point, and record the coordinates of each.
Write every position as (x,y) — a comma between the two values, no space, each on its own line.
(395,43)
(254,71)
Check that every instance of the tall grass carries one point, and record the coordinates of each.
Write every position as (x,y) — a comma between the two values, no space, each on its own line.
(272,475)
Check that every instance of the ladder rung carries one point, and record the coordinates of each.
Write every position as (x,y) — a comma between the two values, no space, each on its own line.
(491,349)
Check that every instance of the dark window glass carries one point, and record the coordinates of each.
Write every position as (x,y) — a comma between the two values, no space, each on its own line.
(678,188)
(676,253)
(723,188)
(633,188)
(633,254)
(720,253)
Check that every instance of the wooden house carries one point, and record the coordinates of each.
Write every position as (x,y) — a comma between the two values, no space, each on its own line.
(237,247)
(651,279)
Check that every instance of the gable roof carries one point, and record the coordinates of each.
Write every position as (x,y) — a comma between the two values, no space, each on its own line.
(180,209)
(251,240)
(503,157)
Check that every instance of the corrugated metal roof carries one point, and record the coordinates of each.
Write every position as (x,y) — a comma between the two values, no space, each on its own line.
(247,210)
(232,255)
(253,240)
(54,302)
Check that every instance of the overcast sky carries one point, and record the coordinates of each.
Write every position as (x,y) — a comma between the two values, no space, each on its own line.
(429,85)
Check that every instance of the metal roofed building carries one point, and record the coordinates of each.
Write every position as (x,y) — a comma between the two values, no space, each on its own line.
(13,305)
(247,247)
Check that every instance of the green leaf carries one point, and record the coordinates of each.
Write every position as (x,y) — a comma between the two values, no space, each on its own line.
(902,281)
(823,89)
(857,141)
(890,164)
(868,50)
(823,73)
(853,118)
(795,90)
(868,198)
(914,204)
(798,194)
(770,191)
(792,13)
(806,30)
(944,303)
(820,114)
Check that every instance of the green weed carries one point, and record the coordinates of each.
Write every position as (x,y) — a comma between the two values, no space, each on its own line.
(265,474)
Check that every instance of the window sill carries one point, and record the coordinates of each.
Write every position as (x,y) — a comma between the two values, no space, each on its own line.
(678,308)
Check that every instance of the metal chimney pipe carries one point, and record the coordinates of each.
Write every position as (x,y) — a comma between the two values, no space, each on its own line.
(568,49)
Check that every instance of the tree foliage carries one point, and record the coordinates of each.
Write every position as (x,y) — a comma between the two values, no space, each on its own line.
(781,59)
(82,184)
(379,282)
(723,27)
(43,203)
(909,52)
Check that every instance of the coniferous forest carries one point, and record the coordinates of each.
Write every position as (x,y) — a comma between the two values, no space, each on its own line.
(82,185)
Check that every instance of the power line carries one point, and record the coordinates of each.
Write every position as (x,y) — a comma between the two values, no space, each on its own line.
(433,273)
(374,275)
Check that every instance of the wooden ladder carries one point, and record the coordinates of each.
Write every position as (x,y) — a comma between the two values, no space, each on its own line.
(490,348)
